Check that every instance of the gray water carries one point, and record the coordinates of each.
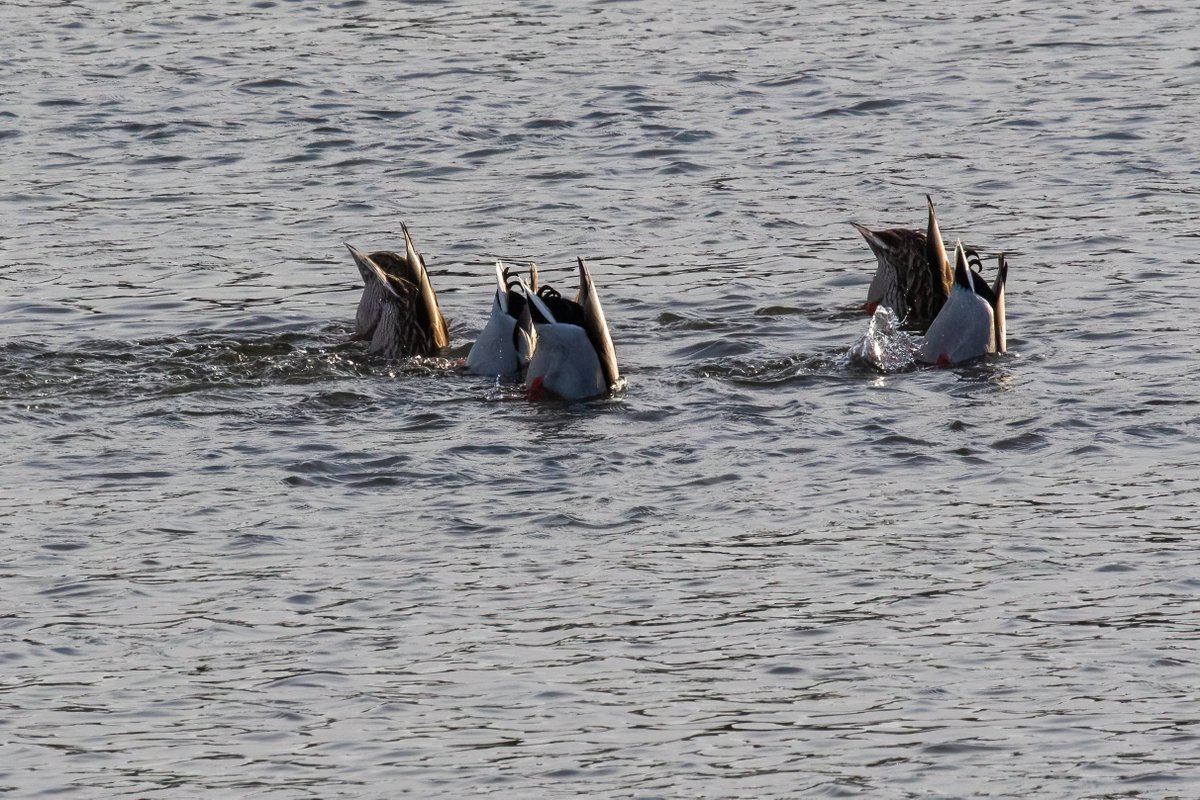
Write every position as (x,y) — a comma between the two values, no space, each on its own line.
(243,559)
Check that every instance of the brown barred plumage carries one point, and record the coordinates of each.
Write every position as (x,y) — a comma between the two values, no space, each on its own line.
(398,312)
(914,276)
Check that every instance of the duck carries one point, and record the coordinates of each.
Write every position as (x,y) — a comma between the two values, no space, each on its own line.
(574,358)
(507,340)
(971,323)
(913,276)
(398,313)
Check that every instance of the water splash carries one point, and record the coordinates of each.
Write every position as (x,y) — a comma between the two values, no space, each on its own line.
(884,347)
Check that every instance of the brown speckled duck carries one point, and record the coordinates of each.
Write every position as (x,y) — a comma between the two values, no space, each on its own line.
(398,313)
(914,276)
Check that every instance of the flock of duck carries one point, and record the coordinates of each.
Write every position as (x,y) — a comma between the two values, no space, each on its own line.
(563,348)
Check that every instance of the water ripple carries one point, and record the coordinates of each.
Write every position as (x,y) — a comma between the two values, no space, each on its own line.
(243,558)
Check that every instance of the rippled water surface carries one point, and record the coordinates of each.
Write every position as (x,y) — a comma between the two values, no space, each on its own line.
(243,559)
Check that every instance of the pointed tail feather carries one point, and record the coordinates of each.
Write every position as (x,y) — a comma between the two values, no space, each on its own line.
(430,312)
(935,251)
(998,305)
(525,334)
(501,286)
(962,272)
(596,326)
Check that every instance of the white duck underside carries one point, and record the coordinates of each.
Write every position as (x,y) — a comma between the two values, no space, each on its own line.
(566,363)
(494,352)
(965,328)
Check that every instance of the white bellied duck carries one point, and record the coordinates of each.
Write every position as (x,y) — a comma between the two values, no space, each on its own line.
(507,340)
(971,322)
(574,358)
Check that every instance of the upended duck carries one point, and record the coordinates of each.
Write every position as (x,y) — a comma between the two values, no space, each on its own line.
(971,322)
(563,345)
(913,276)
(507,340)
(398,312)
(574,358)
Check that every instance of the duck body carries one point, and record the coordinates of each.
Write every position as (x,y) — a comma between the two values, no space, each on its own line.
(913,275)
(565,365)
(574,358)
(398,313)
(899,253)
(507,341)
(971,322)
